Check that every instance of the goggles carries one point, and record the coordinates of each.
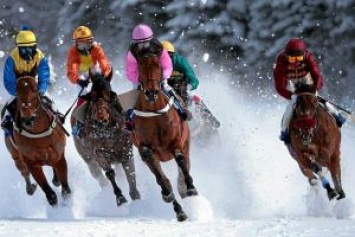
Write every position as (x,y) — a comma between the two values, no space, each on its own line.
(293,59)
(83,45)
(27,52)
(142,45)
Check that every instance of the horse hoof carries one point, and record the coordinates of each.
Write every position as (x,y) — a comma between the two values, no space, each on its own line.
(52,199)
(341,195)
(169,198)
(135,195)
(55,182)
(332,194)
(66,193)
(31,189)
(181,216)
(191,192)
(120,200)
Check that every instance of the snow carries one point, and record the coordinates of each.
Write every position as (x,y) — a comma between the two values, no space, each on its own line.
(248,185)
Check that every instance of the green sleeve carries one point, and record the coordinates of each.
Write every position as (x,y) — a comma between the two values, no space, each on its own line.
(182,65)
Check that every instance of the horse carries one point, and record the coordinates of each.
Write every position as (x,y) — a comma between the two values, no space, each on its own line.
(37,140)
(160,134)
(103,144)
(315,141)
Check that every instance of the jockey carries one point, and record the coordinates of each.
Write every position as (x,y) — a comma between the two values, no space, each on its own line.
(84,55)
(181,66)
(144,43)
(26,60)
(296,63)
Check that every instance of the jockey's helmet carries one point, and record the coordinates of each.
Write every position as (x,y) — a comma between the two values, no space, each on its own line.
(82,33)
(83,39)
(295,47)
(142,33)
(168,46)
(27,44)
(26,38)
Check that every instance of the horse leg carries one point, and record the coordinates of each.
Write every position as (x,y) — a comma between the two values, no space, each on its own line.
(55,180)
(154,166)
(184,165)
(167,191)
(61,169)
(182,184)
(129,169)
(120,199)
(22,167)
(335,171)
(96,172)
(38,175)
(30,187)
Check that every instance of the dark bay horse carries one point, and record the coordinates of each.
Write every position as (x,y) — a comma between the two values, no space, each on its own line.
(315,139)
(103,144)
(37,140)
(160,134)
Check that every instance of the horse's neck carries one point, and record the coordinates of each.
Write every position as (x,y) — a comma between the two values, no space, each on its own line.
(160,103)
(41,123)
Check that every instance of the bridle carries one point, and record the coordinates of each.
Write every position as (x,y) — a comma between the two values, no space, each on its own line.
(306,121)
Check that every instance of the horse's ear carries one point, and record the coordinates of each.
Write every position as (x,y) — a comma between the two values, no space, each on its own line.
(109,77)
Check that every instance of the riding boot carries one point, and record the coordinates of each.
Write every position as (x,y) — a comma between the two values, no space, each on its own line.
(129,122)
(48,103)
(77,129)
(7,124)
(339,119)
(208,114)
(180,106)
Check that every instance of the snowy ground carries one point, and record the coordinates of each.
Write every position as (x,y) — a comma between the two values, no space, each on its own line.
(249,186)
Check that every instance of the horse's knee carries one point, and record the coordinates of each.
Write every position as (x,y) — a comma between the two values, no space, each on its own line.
(147,154)
(110,174)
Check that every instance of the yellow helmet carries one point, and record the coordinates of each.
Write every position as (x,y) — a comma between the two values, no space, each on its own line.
(82,33)
(26,38)
(168,46)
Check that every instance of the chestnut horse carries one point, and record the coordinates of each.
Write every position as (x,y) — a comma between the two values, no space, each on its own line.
(315,139)
(37,140)
(160,134)
(103,143)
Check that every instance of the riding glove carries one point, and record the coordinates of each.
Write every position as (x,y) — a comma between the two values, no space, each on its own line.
(83,83)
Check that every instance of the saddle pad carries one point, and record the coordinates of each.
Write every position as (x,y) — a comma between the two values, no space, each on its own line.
(128,99)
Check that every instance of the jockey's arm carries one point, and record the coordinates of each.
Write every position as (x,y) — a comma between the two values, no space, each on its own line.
(131,68)
(103,60)
(73,62)
(280,78)
(43,75)
(315,71)
(9,76)
(185,67)
(166,64)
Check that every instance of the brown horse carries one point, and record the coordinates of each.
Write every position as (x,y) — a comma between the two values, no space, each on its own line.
(103,143)
(315,140)
(160,134)
(37,140)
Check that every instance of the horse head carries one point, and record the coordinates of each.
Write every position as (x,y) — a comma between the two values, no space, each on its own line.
(28,101)
(305,111)
(150,76)
(101,113)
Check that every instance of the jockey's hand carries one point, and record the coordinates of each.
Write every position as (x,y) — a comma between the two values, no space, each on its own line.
(190,87)
(83,83)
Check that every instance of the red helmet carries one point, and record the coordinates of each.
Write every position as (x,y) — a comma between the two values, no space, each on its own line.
(295,45)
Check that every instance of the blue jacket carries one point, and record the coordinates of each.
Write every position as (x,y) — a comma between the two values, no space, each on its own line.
(14,63)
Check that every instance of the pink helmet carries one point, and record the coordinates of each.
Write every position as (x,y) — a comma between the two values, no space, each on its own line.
(295,45)
(142,32)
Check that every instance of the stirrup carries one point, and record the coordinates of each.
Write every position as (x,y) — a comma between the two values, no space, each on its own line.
(285,137)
